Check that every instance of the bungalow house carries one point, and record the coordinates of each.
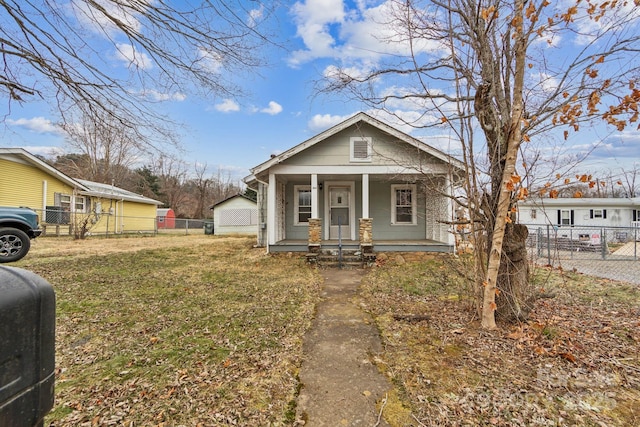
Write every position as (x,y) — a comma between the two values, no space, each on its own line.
(235,215)
(64,202)
(361,184)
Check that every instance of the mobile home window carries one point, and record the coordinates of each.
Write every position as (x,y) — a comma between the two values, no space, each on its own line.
(534,214)
(302,204)
(403,199)
(565,217)
(598,213)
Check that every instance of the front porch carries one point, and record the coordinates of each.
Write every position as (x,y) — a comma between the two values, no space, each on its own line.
(377,246)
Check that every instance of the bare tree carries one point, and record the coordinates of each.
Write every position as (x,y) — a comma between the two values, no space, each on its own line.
(172,176)
(202,186)
(492,66)
(64,53)
(110,150)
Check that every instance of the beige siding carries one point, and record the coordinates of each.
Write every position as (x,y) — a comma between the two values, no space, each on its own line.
(335,150)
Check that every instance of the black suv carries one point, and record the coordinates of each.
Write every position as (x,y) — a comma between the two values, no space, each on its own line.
(17,227)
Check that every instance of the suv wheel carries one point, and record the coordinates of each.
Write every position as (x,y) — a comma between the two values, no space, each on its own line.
(14,244)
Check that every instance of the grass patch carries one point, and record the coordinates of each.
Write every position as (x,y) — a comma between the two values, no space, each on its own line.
(184,333)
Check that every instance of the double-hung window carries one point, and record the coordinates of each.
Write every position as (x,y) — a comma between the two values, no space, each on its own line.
(565,217)
(302,195)
(403,204)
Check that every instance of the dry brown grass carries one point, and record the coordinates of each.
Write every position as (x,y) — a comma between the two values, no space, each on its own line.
(576,362)
(175,330)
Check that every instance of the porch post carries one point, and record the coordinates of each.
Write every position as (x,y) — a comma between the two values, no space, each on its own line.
(271,210)
(365,225)
(451,238)
(314,195)
(365,195)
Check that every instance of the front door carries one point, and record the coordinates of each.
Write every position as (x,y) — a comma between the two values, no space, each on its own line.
(339,212)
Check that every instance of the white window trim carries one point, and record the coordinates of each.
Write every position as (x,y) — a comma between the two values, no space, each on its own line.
(568,212)
(296,204)
(84,200)
(414,204)
(598,214)
(352,142)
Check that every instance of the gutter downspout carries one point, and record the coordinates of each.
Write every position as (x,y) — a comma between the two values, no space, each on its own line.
(265,217)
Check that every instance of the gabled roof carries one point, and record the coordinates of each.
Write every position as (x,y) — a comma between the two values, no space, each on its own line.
(84,187)
(233,197)
(163,211)
(365,118)
(24,156)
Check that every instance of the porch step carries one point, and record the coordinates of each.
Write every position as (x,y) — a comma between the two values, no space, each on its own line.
(350,258)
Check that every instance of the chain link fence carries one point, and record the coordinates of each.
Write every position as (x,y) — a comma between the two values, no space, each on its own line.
(58,222)
(609,252)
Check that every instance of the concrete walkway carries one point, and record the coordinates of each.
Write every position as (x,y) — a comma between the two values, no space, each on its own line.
(340,385)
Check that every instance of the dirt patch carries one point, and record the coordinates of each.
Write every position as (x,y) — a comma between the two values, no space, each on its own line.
(341,386)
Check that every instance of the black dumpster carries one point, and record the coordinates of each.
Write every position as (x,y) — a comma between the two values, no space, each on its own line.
(208,227)
(27,347)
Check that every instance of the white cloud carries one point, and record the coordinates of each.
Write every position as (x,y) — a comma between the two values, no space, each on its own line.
(209,61)
(329,29)
(227,106)
(47,151)
(37,124)
(547,82)
(128,54)
(255,15)
(321,122)
(160,96)
(273,108)
(103,22)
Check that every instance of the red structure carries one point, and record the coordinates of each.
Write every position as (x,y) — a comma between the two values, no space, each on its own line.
(166,218)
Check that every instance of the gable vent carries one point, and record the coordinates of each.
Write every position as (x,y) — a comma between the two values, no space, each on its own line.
(361,149)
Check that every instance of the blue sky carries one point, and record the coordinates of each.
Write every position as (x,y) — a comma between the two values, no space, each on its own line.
(281,109)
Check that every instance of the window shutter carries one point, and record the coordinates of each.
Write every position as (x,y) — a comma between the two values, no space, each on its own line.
(591,213)
(635,215)
(571,217)
(559,217)
(604,213)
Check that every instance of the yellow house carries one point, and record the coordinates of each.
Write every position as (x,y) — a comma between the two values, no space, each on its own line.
(69,204)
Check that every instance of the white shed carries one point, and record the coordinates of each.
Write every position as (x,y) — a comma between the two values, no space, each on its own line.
(235,215)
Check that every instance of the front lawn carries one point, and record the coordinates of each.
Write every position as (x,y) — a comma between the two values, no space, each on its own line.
(170,331)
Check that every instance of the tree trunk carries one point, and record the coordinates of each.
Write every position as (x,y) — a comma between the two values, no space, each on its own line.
(514,302)
(512,139)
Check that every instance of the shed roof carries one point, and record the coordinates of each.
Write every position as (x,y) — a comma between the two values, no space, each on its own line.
(233,197)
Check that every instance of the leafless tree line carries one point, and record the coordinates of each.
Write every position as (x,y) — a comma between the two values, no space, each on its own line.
(189,189)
